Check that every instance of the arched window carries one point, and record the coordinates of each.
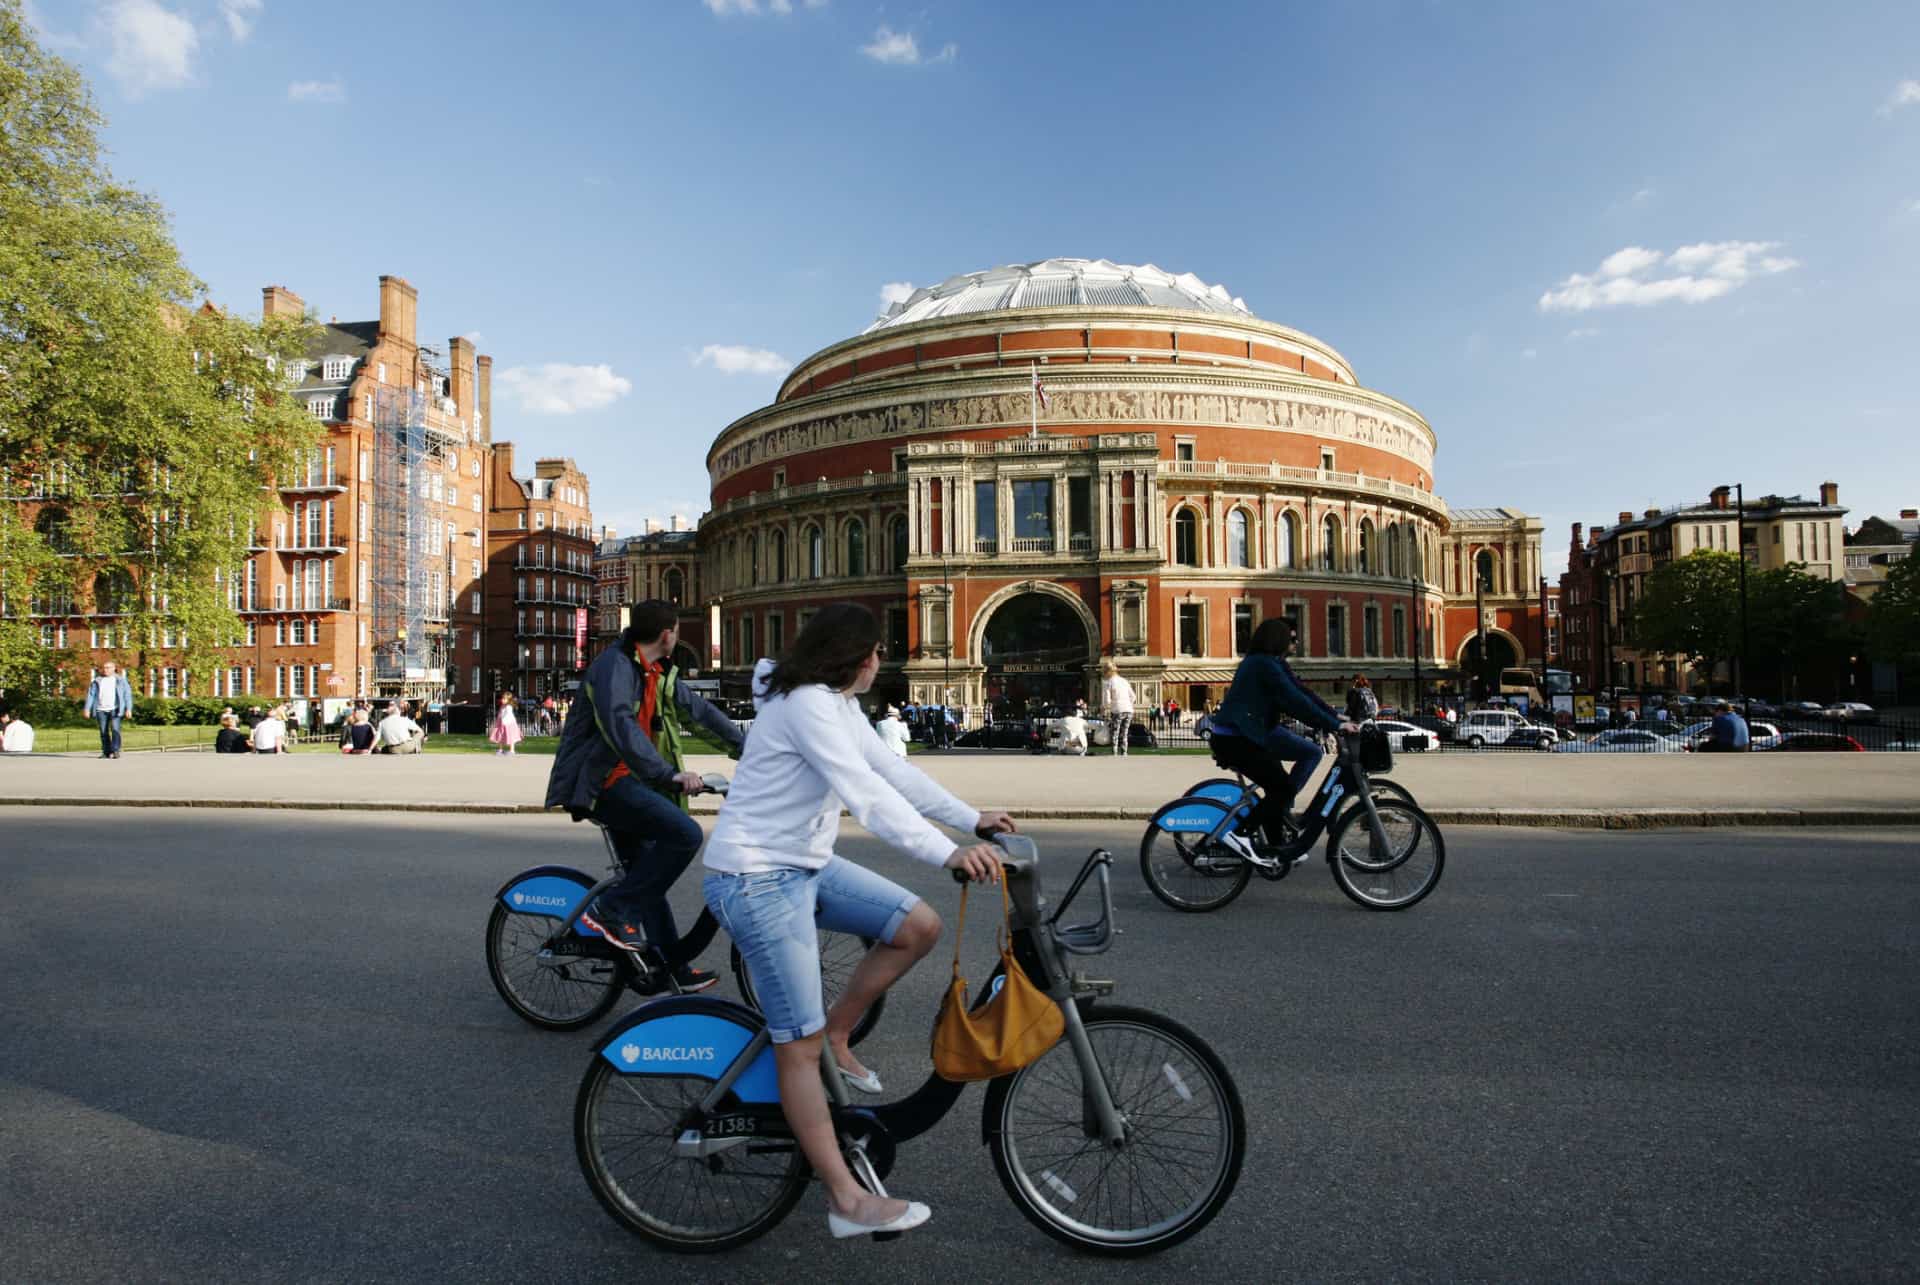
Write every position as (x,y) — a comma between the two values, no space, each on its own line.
(113,593)
(1286,551)
(53,526)
(1330,544)
(1414,560)
(1393,549)
(1239,552)
(1367,553)
(753,559)
(1186,538)
(1483,563)
(676,586)
(816,545)
(777,550)
(897,536)
(856,548)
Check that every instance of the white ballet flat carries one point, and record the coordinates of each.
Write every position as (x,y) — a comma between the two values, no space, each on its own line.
(868,1083)
(845,1228)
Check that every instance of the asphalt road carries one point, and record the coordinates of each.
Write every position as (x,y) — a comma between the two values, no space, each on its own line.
(245,1046)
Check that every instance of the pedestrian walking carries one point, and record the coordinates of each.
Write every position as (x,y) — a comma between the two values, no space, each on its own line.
(506,726)
(893,731)
(109,699)
(1116,697)
(1362,704)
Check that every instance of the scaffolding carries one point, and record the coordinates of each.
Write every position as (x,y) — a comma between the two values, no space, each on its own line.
(403,654)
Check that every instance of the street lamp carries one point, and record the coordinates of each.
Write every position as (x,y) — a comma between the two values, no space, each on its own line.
(1413,600)
(1740,547)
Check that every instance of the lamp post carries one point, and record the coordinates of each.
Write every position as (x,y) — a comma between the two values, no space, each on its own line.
(1413,602)
(1740,546)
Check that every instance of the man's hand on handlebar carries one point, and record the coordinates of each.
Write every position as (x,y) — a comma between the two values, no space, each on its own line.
(980,863)
(689,782)
(992,823)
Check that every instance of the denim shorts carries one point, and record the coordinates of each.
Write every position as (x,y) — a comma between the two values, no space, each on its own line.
(774,916)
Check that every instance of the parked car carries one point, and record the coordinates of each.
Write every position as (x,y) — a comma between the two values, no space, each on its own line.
(1626,740)
(1442,730)
(1008,734)
(1816,742)
(1760,736)
(1405,736)
(1804,709)
(1485,727)
(1852,712)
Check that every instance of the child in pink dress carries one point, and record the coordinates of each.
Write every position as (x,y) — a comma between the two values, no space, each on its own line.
(506,728)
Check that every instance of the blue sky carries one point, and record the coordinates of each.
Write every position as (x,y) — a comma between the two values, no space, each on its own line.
(1616,254)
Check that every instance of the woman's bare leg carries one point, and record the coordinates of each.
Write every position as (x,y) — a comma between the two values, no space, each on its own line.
(881,967)
(804,1100)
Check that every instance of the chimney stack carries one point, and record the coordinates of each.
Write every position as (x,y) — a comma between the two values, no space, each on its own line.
(1830,493)
(675,522)
(483,404)
(278,301)
(1908,515)
(1576,535)
(399,311)
(606,532)
(1652,514)
(1625,517)
(460,375)
(1721,495)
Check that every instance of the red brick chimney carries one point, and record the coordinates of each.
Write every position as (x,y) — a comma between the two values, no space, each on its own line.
(460,374)
(1576,535)
(1625,517)
(1652,513)
(1908,515)
(484,398)
(278,301)
(1829,493)
(399,311)
(1720,495)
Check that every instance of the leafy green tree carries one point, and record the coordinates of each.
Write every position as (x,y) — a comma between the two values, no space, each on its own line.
(138,433)
(1799,631)
(1893,617)
(1691,608)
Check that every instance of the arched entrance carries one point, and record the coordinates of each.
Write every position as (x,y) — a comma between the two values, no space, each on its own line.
(1501,653)
(1036,650)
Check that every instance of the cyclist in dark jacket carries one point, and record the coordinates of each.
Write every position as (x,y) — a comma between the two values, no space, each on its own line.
(618,761)
(1248,737)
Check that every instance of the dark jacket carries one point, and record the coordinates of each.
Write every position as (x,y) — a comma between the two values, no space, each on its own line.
(1264,687)
(231,740)
(604,729)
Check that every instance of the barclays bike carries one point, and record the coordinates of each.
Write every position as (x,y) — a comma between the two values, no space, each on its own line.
(1125,1138)
(1384,852)
(558,974)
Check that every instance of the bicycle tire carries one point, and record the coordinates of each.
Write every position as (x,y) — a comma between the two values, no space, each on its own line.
(1176,1096)
(1379,788)
(1419,855)
(562,997)
(624,1128)
(1186,873)
(836,964)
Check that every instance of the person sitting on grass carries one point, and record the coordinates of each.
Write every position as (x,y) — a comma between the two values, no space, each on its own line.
(230,739)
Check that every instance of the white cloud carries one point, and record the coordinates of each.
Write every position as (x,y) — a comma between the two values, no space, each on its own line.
(1584,332)
(555,388)
(1529,353)
(754,8)
(1905,94)
(895,292)
(900,49)
(738,359)
(316,91)
(474,337)
(1633,277)
(153,47)
(1911,207)
(1641,197)
(240,16)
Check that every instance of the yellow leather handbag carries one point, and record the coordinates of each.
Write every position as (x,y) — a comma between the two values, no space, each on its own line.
(1011,1029)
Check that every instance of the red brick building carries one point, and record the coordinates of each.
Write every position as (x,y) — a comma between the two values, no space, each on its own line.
(540,595)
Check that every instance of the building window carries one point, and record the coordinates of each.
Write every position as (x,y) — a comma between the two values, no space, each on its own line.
(777,547)
(1330,544)
(897,633)
(776,631)
(1326,460)
(1370,631)
(1483,568)
(1080,512)
(856,548)
(1033,514)
(675,586)
(1400,631)
(986,517)
(1242,627)
(336,368)
(320,407)
(1190,622)
(816,553)
(1366,550)
(1336,630)
(1186,538)
(1183,451)
(747,654)
(1287,541)
(1239,548)
(897,536)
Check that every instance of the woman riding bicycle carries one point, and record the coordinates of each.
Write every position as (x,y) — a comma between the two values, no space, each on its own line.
(775,879)
(1248,738)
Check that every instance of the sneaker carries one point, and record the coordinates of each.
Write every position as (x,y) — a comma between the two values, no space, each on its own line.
(1242,844)
(618,930)
(691,981)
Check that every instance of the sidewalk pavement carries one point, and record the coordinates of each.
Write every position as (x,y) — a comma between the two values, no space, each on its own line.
(1496,788)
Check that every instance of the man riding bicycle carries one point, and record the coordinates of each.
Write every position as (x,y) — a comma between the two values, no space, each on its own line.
(1248,737)
(619,761)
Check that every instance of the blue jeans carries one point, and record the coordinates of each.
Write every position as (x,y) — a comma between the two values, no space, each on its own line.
(109,731)
(775,917)
(1263,765)
(656,841)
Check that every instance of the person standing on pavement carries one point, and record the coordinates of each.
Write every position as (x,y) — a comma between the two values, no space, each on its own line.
(505,732)
(1729,733)
(1116,696)
(893,732)
(109,699)
(620,762)
(1362,704)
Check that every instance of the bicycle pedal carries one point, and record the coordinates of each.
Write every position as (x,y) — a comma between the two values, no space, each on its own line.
(887,1235)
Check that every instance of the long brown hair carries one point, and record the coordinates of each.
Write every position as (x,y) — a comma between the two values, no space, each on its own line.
(830,650)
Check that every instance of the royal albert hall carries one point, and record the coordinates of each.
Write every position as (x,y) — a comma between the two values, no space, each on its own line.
(1194,470)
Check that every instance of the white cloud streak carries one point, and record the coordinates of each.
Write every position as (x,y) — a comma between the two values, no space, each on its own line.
(1637,277)
(754,8)
(739,359)
(900,49)
(152,47)
(895,292)
(1905,94)
(316,91)
(240,16)
(556,388)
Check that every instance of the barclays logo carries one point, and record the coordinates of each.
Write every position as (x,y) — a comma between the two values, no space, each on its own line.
(631,1053)
(531,899)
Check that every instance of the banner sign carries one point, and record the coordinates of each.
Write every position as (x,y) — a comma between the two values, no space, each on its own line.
(579,637)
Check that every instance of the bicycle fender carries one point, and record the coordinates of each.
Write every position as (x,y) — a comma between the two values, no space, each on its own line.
(546,890)
(687,1035)
(1194,814)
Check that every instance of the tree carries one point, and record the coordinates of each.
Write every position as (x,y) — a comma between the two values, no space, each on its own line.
(1799,629)
(137,432)
(1691,608)
(1893,617)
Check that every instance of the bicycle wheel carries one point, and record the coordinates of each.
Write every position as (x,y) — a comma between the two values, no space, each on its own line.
(624,1129)
(555,995)
(1381,788)
(1186,1137)
(839,954)
(1394,871)
(1183,869)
